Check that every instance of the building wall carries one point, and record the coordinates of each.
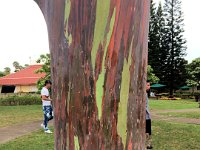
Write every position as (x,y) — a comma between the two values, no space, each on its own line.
(25,88)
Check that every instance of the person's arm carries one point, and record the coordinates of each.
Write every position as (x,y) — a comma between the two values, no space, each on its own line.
(46,98)
(45,95)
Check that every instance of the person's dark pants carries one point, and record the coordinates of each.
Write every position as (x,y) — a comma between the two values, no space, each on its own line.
(148,134)
(48,115)
(148,126)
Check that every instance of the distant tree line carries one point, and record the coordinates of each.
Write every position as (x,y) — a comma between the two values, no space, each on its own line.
(6,71)
(17,67)
(167,45)
(45,60)
(193,70)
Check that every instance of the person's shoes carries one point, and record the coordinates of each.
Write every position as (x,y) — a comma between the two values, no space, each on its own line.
(42,126)
(149,147)
(48,131)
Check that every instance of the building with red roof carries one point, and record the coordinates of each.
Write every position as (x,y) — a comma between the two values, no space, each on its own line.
(23,81)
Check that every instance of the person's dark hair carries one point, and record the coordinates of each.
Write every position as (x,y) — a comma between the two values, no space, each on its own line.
(149,91)
(47,82)
(148,81)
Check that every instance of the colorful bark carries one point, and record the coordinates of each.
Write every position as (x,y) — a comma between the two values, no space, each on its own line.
(99,56)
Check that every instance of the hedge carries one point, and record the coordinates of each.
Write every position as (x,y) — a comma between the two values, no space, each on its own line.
(21,100)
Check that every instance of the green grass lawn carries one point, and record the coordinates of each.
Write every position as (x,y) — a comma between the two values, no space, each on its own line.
(166,136)
(34,141)
(175,136)
(194,115)
(10,115)
(173,104)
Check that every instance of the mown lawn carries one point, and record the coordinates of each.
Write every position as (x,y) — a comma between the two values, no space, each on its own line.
(10,115)
(172,104)
(166,136)
(175,136)
(34,141)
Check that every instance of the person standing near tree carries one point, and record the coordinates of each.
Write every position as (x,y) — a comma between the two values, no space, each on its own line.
(148,119)
(47,106)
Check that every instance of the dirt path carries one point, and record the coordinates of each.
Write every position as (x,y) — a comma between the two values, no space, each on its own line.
(178,111)
(157,116)
(15,131)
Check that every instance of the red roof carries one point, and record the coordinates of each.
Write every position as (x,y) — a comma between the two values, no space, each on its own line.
(25,76)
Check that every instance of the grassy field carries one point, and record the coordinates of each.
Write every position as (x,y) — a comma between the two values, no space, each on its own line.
(175,136)
(166,136)
(173,104)
(10,115)
(35,141)
(193,115)
(17,114)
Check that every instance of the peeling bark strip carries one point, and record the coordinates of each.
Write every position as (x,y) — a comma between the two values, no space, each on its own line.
(99,57)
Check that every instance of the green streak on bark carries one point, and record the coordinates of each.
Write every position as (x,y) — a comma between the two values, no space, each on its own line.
(102,12)
(67,13)
(100,81)
(124,92)
(76,143)
(67,9)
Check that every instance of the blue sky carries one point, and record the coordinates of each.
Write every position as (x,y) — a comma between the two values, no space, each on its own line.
(23,32)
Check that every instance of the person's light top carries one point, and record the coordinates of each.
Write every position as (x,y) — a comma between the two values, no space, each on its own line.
(147,109)
(45,92)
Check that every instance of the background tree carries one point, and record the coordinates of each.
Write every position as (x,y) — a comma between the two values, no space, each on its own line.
(175,42)
(167,45)
(17,66)
(181,74)
(45,60)
(26,65)
(161,68)
(153,42)
(193,70)
(158,52)
(151,76)
(2,74)
(7,70)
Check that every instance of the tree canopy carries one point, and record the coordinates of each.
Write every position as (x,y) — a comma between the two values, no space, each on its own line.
(45,60)
(167,44)
(151,76)
(193,70)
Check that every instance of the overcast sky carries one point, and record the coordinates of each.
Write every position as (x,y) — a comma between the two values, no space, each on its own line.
(23,32)
(191,12)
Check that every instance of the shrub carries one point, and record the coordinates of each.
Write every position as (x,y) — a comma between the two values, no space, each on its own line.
(21,100)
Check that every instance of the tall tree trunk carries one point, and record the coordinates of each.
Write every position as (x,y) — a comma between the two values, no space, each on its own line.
(99,58)
(172,53)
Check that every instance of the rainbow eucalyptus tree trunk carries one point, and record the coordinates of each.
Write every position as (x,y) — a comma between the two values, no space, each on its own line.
(99,58)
